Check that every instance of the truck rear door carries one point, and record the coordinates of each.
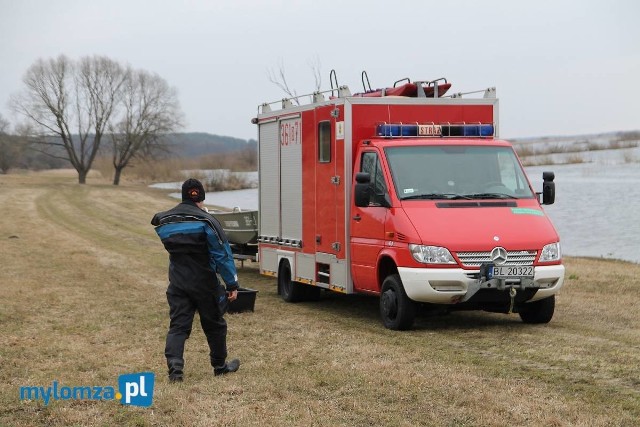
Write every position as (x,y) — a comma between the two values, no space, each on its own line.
(329,176)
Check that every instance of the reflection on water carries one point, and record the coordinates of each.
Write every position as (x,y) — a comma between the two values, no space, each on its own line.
(596,211)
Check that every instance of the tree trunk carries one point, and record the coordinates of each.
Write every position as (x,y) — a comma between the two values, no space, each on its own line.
(82,176)
(116,176)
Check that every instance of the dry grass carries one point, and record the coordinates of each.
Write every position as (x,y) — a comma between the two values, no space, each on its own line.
(574,158)
(539,155)
(169,169)
(537,161)
(83,283)
(524,150)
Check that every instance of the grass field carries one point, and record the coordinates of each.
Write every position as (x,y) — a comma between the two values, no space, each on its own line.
(83,283)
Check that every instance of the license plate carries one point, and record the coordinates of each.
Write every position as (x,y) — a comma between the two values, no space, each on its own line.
(513,272)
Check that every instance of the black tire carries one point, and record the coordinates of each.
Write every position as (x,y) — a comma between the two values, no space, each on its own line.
(538,311)
(290,291)
(398,312)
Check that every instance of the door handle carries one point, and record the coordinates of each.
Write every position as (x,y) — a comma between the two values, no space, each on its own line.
(357,217)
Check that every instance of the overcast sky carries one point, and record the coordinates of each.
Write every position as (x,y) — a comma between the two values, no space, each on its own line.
(560,67)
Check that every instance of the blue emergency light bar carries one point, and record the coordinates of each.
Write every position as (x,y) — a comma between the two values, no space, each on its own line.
(441,130)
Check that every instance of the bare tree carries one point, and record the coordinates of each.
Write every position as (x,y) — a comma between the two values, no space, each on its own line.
(8,148)
(280,79)
(72,101)
(149,111)
(4,125)
(249,157)
(13,145)
(316,67)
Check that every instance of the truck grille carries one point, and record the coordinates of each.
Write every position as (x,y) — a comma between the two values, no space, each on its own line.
(475,259)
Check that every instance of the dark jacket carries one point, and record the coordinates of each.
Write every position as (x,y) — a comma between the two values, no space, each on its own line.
(197,246)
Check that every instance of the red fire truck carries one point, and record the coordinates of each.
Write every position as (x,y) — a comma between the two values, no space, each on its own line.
(406,194)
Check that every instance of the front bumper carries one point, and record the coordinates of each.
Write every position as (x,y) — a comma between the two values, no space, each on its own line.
(455,285)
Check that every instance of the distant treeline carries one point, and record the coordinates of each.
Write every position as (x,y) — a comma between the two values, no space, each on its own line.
(196,144)
(188,145)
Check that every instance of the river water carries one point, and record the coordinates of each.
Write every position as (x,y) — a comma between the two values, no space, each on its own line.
(597,208)
(244,199)
(596,212)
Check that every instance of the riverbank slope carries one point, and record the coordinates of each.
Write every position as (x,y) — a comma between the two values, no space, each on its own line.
(83,280)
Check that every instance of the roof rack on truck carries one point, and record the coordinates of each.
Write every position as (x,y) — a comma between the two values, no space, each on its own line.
(436,88)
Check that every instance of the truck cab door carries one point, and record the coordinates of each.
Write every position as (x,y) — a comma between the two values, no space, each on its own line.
(368,224)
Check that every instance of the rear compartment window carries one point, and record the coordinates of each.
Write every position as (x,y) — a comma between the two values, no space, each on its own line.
(324,142)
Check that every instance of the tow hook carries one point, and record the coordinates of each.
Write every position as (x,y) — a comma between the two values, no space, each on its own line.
(512,294)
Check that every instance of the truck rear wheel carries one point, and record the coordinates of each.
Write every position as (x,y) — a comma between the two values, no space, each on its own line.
(539,311)
(397,310)
(289,290)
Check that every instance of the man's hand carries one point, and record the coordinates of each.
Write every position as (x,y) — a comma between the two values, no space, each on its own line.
(232,296)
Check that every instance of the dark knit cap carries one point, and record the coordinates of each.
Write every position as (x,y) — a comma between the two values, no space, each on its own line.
(193,190)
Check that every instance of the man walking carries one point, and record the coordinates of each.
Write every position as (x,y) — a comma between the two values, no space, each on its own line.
(198,249)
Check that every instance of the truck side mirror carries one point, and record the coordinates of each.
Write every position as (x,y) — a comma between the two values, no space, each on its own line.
(362,191)
(548,188)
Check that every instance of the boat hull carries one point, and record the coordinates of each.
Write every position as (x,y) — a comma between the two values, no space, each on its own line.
(241,227)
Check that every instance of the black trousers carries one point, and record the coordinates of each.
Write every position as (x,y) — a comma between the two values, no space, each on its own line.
(211,306)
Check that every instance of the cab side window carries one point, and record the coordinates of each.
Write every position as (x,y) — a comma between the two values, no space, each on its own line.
(370,163)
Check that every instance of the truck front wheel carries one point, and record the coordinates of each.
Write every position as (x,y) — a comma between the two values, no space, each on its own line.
(538,311)
(397,310)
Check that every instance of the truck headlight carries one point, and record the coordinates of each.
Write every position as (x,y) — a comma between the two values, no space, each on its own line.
(551,252)
(431,254)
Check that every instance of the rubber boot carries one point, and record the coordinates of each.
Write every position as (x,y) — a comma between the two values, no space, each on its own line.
(176,367)
(228,367)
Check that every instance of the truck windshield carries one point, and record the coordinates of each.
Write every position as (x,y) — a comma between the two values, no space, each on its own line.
(457,172)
